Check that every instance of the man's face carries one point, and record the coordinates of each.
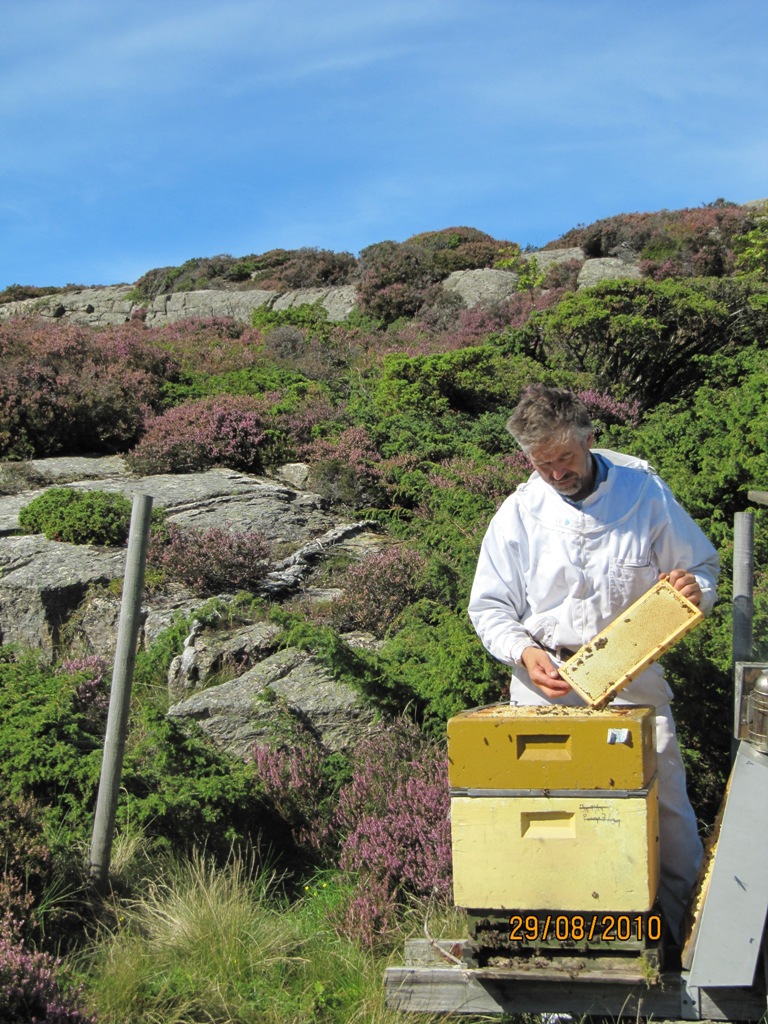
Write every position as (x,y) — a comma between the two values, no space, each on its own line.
(566,465)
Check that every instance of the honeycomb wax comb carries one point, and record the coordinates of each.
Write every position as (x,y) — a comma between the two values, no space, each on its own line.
(632,642)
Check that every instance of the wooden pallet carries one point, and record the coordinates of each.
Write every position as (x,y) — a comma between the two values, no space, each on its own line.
(432,981)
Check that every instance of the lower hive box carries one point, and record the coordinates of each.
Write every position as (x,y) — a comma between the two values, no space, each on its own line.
(570,853)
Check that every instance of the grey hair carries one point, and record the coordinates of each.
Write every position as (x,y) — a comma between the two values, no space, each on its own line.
(548,415)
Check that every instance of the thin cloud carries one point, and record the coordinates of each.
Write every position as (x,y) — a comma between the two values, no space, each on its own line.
(144,133)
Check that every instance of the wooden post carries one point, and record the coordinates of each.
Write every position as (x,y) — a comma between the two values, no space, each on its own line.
(743,548)
(120,695)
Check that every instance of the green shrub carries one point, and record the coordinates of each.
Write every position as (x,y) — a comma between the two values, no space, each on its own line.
(183,792)
(436,664)
(642,339)
(311,316)
(256,381)
(175,785)
(752,249)
(48,750)
(78,517)
(713,449)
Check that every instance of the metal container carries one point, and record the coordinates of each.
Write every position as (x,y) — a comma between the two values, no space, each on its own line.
(757,714)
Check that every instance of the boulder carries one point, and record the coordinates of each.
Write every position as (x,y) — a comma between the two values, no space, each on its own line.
(295,474)
(251,709)
(607,269)
(482,287)
(41,584)
(546,258)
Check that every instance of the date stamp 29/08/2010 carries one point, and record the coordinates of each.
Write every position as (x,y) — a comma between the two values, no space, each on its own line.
(527,928)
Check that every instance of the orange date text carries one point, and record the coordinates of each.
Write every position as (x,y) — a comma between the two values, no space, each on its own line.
(584,927)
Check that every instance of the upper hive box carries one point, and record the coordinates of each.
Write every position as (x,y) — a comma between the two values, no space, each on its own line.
(631,643)
(504,747)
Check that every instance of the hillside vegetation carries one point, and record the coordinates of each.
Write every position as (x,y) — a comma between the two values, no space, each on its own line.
(400,413)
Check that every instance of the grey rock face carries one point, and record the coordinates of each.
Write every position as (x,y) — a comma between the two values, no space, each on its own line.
(247,710)
(338,301)
(607,269)
(113,304)
(546,258)
(295,474)
(478,287)
(43,583)
(109,305)
(207,303)
(206,656)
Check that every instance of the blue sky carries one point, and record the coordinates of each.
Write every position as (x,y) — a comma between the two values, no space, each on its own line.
(139,134)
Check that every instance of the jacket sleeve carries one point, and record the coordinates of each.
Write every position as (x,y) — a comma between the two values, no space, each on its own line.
(681,544)
(498,601)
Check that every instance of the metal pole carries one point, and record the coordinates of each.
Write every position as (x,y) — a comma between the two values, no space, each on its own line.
(120,695)
(743,575)
(743,581)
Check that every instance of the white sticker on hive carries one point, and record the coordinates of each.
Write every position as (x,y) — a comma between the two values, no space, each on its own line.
(633,641)
(619,736)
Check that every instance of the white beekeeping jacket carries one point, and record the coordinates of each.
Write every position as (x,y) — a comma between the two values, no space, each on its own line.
(557,575)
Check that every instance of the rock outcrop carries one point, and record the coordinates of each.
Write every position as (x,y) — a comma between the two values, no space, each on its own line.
(546,258)
(608,268)
(234,681)
(43,584)
(114,304)
(480,287)
(250,709)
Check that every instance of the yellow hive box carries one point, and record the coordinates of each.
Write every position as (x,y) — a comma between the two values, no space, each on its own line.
(575,853)
(552,747)
(631,643)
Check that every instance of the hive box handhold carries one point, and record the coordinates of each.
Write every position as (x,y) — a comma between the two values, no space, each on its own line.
(633,641)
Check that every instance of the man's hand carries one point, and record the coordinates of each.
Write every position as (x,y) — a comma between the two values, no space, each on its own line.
(685,582)
(543,673)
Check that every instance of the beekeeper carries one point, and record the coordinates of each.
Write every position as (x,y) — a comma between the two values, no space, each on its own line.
(587,535)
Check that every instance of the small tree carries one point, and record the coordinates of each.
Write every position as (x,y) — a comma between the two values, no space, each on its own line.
(752,249)
(530,275)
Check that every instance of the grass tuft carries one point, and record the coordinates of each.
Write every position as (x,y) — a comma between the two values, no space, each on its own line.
(206,945)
